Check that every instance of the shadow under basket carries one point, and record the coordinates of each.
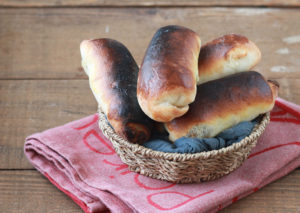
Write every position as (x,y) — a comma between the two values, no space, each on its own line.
(183,168)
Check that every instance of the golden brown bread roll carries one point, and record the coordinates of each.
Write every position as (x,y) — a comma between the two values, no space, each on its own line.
(113,75)
(227,55)
(168,75)
(223,103)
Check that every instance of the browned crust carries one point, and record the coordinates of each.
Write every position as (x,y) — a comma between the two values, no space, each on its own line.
(168,62)
(117,79)
(274,85)
(224,96)
(218,48)
(274,82)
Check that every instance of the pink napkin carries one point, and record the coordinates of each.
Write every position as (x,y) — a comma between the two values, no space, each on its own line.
(82,163)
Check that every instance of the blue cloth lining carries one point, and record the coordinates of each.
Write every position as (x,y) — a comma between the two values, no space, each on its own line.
(195,145)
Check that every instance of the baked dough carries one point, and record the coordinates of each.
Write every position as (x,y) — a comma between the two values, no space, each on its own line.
(227,55)
(223,103)
(168,76)
(113,75)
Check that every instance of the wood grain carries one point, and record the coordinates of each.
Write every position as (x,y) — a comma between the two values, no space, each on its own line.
(27,107)
(146,3)
(28,191)
(30,106)
(43,84)
(44,43)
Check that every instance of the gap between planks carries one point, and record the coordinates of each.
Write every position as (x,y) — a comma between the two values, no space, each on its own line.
(150,3)
(154,6)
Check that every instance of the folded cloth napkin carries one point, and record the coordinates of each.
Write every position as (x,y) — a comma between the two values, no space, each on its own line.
(82,163)
(160,142)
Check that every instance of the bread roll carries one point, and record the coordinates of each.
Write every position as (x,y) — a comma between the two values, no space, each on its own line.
(223,103)
(113,75)
(227,55)
(168,75)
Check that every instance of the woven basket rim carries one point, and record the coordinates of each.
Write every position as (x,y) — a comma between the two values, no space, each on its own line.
(147,152)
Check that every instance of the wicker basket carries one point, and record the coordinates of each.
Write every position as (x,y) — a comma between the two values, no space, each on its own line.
(183,168)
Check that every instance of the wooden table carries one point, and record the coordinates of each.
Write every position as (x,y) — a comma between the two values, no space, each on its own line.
(42,84)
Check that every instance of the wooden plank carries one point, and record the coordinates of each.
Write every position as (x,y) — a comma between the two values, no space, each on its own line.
(17,187)
(28,191)
(44,43)
(147,3)
(29,106)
